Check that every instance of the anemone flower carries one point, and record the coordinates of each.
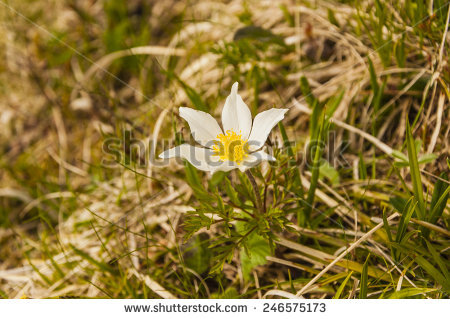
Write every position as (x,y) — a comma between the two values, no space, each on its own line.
(240,143)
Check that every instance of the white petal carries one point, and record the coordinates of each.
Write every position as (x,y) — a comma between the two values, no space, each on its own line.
(204,128)
(254,159)
(201,158)
(197,156)
(217,165)
(262,125)
(236,115)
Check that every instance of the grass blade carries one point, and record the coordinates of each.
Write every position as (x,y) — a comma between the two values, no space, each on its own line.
(410,292)
(314,170)
(364,280)
(342,286)
(433,272)
(415,172)
(404,220)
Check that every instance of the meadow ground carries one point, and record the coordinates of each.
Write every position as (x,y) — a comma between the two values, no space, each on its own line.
(355,205)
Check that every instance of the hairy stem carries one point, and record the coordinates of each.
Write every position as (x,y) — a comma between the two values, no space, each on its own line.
(258,202)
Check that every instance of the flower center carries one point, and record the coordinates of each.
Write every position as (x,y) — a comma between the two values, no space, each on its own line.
(231,147)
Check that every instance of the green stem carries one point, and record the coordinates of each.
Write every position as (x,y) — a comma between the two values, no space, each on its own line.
(258,202)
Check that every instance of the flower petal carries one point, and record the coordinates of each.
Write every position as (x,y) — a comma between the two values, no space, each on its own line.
(217,165)
(204,128)
(197,156)
(254,159)
(201,158)
(236,115)
(262,125)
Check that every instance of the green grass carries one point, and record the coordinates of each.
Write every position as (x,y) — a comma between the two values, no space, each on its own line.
(366,137)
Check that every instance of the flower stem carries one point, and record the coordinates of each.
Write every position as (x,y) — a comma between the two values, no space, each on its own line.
(258,203)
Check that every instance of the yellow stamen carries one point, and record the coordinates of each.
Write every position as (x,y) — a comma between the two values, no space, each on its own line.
(231,147)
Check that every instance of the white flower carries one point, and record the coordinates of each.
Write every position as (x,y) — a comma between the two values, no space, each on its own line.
(239,147)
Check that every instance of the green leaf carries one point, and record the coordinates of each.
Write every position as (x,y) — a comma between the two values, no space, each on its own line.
(404,220)
(193,96)
(438,259)
(399,49)
(400,155)
(401,164)
(223,252)
(216,179)
(378,97)
(364,280)
(342,286)
(427,158)
(259,249)
(232,194)
(399,203)
(362,168)
(297,184)
(245,187)
(439,199)
(90,259)
(36,269)
(287,15)
(333,103)
(192,176)
(437,211)
(315,120)
(306,91)
(255,251)
(332,17)
(315,167)
(418,144)
(410,292)
(377,92)
(194,181)
(259,34)
(196,254)
(194,221)
(328,171)
(373,76)
(433,272)
(415,172)
(229,293)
